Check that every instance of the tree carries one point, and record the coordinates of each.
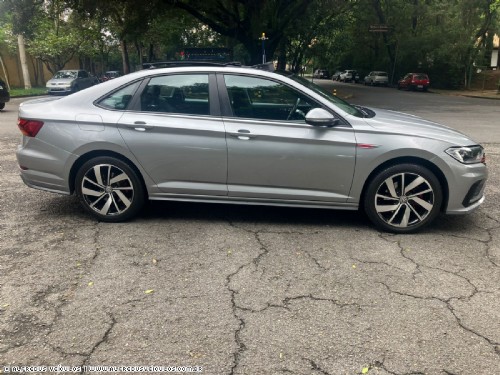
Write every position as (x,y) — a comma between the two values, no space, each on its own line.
(127,20)
(246,20)
(22,14)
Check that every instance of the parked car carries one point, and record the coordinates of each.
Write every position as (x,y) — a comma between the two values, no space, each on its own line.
(4,94)
(376,78)
(336,75)
(274,139)
(111,74)
(69,81)
(414,81)
(349,76)
(321,73)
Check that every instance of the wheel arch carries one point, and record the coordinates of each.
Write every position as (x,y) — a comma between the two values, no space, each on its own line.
(97,153)
(409,160)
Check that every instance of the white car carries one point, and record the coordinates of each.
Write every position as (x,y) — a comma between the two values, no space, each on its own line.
(376,78)
(69,81)
(349,76)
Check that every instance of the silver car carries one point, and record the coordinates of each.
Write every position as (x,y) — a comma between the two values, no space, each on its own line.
(227,134)
(69,81)
(376,78)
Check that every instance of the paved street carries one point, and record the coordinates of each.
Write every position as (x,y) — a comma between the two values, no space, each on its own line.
(254,290)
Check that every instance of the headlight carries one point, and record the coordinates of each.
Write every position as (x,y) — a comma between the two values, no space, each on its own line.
(467,154)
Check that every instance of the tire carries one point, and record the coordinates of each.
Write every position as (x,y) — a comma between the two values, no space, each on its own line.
(109,189)
(393,209)
(2,106)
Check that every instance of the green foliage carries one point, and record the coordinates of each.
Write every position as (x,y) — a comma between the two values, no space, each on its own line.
(448,39)
(55,46)
(441,37)
(19,92)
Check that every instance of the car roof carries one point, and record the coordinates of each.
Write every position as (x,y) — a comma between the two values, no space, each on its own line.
(94,93)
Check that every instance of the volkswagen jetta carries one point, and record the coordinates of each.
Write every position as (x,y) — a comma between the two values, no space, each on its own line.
(230,134)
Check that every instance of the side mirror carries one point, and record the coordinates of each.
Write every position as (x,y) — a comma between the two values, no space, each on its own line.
(321,117)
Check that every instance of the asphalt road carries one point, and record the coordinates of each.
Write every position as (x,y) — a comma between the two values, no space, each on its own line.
(253,290)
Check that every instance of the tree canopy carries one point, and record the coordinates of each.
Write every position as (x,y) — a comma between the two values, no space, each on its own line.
(449,39)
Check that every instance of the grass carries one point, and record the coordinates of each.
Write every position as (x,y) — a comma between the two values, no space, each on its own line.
(17,92)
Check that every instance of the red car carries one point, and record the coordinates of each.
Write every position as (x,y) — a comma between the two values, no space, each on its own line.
(414,81)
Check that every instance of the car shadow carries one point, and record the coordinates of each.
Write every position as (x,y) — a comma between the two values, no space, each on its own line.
(252,214)
(69,209)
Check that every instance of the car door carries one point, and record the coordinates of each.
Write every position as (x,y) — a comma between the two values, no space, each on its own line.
(83,80)
(272,152)
(174,129)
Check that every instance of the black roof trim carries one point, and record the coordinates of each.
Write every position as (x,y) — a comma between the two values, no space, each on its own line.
(168,64)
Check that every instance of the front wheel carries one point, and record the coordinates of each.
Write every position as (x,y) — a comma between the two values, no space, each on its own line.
(109,189)
(403,198)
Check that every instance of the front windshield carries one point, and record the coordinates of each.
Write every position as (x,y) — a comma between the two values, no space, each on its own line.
(66,74)
(346,107)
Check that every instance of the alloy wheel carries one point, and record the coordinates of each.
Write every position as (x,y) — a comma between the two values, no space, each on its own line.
(404,200)
(107,190)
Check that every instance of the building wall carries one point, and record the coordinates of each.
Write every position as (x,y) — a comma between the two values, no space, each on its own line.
(38,71)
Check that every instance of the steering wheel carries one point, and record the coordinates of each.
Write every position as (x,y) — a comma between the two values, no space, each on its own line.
(294,108)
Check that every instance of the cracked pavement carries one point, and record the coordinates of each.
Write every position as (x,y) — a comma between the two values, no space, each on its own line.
(245,290)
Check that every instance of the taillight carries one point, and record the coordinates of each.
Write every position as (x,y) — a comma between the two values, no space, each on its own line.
(29,128)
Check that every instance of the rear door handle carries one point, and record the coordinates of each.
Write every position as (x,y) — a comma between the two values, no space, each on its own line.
(142,126)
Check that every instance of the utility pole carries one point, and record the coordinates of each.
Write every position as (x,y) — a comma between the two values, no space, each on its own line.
(263,38)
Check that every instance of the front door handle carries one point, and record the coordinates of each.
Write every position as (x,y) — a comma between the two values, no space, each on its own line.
(243,134)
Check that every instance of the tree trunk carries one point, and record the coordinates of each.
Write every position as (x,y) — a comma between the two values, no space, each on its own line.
(5,73)
(138,47)
(125,58)
(24,64)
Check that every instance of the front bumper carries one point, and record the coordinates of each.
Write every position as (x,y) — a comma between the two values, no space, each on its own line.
(466,189)
(59,90)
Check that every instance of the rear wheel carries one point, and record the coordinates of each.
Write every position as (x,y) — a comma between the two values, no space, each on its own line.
(2,106)
(403,198)
(109,189)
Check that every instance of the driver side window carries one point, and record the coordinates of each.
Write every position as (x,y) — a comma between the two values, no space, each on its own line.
(264,99)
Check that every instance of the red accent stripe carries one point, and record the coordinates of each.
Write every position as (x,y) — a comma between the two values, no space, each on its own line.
(366,145)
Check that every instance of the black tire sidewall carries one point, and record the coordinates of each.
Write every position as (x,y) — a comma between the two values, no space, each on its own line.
(139,194)
(374,184)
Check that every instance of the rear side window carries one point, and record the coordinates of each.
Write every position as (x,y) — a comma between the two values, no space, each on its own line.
(180,93)
(120,99)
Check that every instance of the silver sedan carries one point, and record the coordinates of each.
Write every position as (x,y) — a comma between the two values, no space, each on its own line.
(230,134)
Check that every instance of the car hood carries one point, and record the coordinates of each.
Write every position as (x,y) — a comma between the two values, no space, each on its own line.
(60,80)
(403,123)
